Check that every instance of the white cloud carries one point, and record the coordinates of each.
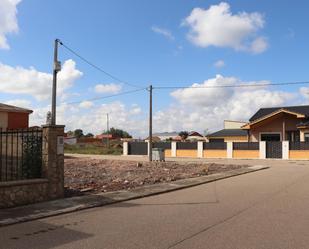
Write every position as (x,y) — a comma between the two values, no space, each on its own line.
(218,27)
(190,109)
(108,88)
(206,96)
(8,20)
(199,109)
(86,104)
(163,32)
(259,45)
(120,116)
(19,80)
(219,64)
(23,103)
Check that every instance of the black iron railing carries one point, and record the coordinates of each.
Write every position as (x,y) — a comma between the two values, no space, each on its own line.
(299,145)
(20,154)
(246,146)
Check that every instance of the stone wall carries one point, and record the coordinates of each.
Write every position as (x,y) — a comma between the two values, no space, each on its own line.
(50,186)
(15,193)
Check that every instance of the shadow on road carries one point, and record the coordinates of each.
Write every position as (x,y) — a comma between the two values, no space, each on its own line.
(40,235)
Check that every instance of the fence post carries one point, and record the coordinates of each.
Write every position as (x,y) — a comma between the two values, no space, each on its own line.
(262,147)
(53,159)
(200,148)
(125,148)
(285,149)
(174,149)
(229,148)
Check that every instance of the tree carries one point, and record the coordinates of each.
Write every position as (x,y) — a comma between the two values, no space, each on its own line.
(78,133)
(183,135)
(89,135)
(70,133)
(118,133)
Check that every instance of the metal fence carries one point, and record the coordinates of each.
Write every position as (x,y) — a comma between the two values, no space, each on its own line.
(162,145)
(299,146)
(187,145)
(214,146)
(138,148)
(21,154)
(246,146)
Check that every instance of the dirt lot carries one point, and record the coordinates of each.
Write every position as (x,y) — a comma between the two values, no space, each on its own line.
(86,175)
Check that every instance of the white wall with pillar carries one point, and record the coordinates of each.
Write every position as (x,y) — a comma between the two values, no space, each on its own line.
(285,150)
(200,149)
(229,149)
(262,149)
(174,149)
(125,148)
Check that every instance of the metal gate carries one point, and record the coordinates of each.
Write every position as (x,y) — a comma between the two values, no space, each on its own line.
(273,149)
(138,148)
(20,154)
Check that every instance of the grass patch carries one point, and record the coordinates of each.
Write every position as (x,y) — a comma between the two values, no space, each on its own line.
(92,149)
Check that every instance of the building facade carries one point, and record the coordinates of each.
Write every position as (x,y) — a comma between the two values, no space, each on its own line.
(13,117)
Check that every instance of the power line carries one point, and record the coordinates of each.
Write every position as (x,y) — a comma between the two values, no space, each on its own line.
(97,67)
(104,97)
(233,86)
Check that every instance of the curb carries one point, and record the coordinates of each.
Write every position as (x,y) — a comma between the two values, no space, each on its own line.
(69,205)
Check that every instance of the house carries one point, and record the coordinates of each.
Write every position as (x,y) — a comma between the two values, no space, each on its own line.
(167,136)
(154,139)
(106,136)
(232,132)
(195,136)
(13,117)
(70,140)
(290,123)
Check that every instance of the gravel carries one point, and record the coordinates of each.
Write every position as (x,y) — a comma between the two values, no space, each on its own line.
(87,175)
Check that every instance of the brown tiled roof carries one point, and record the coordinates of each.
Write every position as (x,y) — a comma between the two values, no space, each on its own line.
(11,108)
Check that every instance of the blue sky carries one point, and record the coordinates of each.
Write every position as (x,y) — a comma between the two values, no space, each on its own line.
(159,42)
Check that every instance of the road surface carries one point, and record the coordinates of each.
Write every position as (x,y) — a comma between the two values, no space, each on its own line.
(265,209)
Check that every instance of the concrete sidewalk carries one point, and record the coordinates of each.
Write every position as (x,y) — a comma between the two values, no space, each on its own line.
(67,205)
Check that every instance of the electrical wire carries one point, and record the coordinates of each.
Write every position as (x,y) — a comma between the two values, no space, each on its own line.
(97,67)
(103,97)
(233,86)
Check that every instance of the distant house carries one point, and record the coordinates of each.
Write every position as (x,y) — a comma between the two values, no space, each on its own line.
(287,123)
(154,139)
(290,123)
(232,132)
(167,136)
(106,136)
(13,117)
(195,136)
(70,140)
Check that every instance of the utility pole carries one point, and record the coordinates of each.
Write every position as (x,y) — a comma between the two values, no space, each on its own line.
(107,127)
(56,69)
(150,124)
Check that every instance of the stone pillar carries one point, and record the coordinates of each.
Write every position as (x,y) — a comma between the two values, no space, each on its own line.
(285,150)
(200,148)
(229,149)
(53,160)
(262,150)
(125,148)
(174,149)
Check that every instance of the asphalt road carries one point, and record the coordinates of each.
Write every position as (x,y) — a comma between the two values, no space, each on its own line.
(265,209)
